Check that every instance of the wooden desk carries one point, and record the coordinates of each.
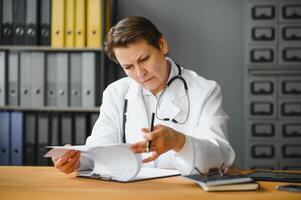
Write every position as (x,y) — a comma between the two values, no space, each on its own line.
(48,183)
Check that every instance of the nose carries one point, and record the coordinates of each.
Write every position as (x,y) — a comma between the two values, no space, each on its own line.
(140,72)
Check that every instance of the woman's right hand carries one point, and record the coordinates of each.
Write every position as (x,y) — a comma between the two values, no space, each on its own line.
(68,163)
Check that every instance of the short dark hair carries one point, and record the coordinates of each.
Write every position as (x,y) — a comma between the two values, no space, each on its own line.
(130,30)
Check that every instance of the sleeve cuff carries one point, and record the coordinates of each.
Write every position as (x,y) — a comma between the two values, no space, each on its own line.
(86,163)
(184,158)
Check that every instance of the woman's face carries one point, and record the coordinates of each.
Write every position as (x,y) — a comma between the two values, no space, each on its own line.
(145,64)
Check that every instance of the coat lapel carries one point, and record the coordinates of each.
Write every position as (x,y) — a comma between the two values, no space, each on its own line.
(136,114)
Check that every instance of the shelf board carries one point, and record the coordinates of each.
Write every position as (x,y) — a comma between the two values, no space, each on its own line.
(49,109)
(44,48)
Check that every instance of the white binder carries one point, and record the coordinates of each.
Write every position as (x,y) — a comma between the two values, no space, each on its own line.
(88,79)
(38,79)
(75,79)
(51,73)
(25,76)
(2,79)
(13,78)
(62,80)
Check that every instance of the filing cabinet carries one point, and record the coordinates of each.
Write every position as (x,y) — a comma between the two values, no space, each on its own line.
(273,84)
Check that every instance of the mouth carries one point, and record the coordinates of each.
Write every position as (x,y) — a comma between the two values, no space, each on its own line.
(147,80)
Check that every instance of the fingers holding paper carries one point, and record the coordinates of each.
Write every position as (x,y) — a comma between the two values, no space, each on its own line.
(162,139)
(68,163)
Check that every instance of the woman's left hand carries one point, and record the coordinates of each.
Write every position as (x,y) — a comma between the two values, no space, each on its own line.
(162,139)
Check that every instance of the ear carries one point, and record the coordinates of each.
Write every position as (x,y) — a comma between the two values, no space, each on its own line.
(163,45)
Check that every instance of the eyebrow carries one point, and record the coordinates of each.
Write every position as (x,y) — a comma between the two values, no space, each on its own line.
(141,57)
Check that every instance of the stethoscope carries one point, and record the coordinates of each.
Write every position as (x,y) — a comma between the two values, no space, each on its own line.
(179,77)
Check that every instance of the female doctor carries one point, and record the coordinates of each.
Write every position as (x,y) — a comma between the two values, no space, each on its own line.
(190,128)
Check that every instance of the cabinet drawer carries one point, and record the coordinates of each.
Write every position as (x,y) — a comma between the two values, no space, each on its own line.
(290,86)
(263,12)
(290,108)
(291,129)
(291,151)
(263,34)
(263,129)
(290,33)
(262,108)
(263,151)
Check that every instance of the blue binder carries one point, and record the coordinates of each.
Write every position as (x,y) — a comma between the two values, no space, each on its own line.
(16,128)
(4,138)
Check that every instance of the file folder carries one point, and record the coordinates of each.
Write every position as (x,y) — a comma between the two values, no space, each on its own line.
(42,136)
(31,26)
(19,21)
(25,76)
(44,20)
(80,126)
(62,80)
(70,23)
(37,80)
(80,23)
(57,23)
(54,129)
(2,78)
(66,129)
(16,130)
(51,73)
(108,15)
(4,139)
(29,139)
(75,79)
(88,79)
(13,78)
(7,22)
(94,23)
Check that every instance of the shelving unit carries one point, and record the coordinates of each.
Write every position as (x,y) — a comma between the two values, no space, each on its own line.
(52,125)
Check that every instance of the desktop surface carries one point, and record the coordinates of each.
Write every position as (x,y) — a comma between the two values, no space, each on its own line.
(48,183)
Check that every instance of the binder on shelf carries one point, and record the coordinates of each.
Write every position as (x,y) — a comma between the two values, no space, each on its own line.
(19,21)
(2,78)
(80,23)
(29,139)
(88,79)
(25,76)
(44,20)
(31,25)
(57,23)
(37,80)
(80,128)
(16,130)
(13,78)
(94,23)
(75,79)
(4,139)
(70,23)
(1,10)
(62,80)
(51,73)
(66,129)
(108,15)
(7,28)
(93,119)
(54,129)
(42,138)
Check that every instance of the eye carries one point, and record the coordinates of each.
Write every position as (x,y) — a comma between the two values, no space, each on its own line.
(128,67)
(144,59)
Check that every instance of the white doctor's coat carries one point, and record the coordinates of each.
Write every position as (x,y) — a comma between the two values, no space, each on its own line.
(206,143)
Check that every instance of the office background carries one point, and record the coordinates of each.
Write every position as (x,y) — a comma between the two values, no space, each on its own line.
(211,37)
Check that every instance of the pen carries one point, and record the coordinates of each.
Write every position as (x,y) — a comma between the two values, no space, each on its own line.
(149,143)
